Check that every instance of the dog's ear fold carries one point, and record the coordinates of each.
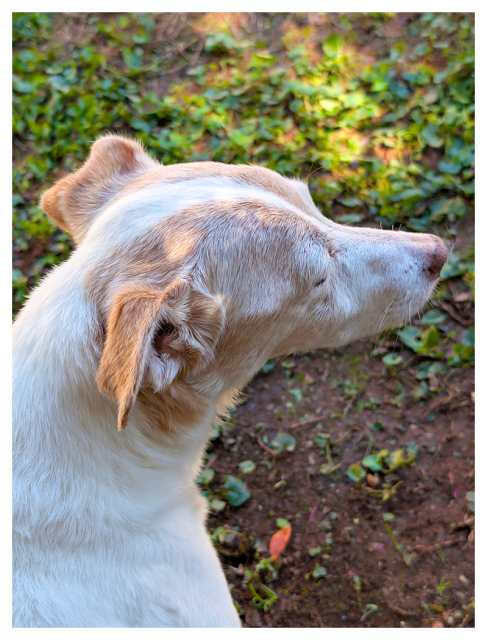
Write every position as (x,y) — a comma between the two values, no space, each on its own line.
(155,336)
(74,201)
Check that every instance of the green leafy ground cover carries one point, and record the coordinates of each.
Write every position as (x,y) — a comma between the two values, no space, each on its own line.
(393,139)
(376,110)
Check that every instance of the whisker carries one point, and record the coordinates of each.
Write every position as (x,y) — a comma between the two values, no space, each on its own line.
(381,321)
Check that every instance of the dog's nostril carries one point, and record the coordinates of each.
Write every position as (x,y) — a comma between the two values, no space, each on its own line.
(437,255)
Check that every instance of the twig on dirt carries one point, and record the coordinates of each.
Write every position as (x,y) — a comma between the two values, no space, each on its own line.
(351,401)
(470,609)
(407,362)
(211,461)
(405,556)
(315,614)
(198,51)
(366,615)
(305,422)
(440,401)
(265,447)
(447,543)
(453,313)
(400,611)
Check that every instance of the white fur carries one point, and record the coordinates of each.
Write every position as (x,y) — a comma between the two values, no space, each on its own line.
(109,528)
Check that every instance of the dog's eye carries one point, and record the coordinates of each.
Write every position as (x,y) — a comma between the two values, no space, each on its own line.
(320,282)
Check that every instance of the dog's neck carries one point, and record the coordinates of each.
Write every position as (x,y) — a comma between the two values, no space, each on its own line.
(75,452)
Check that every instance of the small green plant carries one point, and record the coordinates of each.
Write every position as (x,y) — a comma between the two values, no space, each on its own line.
(400,547)
(235,491)
(357,585)
(283,442)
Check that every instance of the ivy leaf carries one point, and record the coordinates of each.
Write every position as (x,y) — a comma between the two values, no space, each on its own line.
(392,359)
(217,505)
(282,522)
(319,572)
(433,317)
(205,476)
(333,45)
(355,473)
(468,337)
(372,463)
(235,491)
(430,136)
(283,442)
(379,84)
(450,167)
(411,337)
(247,466)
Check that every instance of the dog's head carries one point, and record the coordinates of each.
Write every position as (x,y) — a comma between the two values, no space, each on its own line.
(201,272)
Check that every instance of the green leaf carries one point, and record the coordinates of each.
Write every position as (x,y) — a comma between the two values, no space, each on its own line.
(282,522)
(269,365)
(283,442)
(468,337)
(221,43)
(396,459)
(235,491)
(388,517)
(451,208)
(319,572)
(450,167)
(217,505)
(247,466)
(371,607)
(205,476)
(355,472)
(411,337)
(330,107)
(392,359)
(433,317)
(420,392)
(297,393)
(322,439)
(430,338)
(379,85)
(372,463)
(430,137)
(333,45)
(350,218)
(261,60)
(350,202)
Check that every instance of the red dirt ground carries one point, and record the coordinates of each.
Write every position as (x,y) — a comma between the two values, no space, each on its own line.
(435,528)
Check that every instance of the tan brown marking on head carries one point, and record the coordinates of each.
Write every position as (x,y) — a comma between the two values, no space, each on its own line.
(75,200)
(134,356)
(169,413)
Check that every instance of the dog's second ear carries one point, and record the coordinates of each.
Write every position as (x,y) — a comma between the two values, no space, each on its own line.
(74,201)
(153,336)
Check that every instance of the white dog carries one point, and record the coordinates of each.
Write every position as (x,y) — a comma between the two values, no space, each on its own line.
(185,280)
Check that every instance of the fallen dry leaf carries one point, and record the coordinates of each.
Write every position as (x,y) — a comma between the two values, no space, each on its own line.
(279,541)
(372,480)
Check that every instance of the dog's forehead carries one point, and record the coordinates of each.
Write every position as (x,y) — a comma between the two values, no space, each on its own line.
(163,224)
(166,197)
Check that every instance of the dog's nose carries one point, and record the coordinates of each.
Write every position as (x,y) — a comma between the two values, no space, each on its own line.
(437,255)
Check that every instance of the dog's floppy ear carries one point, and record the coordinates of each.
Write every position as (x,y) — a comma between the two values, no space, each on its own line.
(153,336)
(74,201)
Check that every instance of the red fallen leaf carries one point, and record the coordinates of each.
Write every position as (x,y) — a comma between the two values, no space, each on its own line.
(279,541)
